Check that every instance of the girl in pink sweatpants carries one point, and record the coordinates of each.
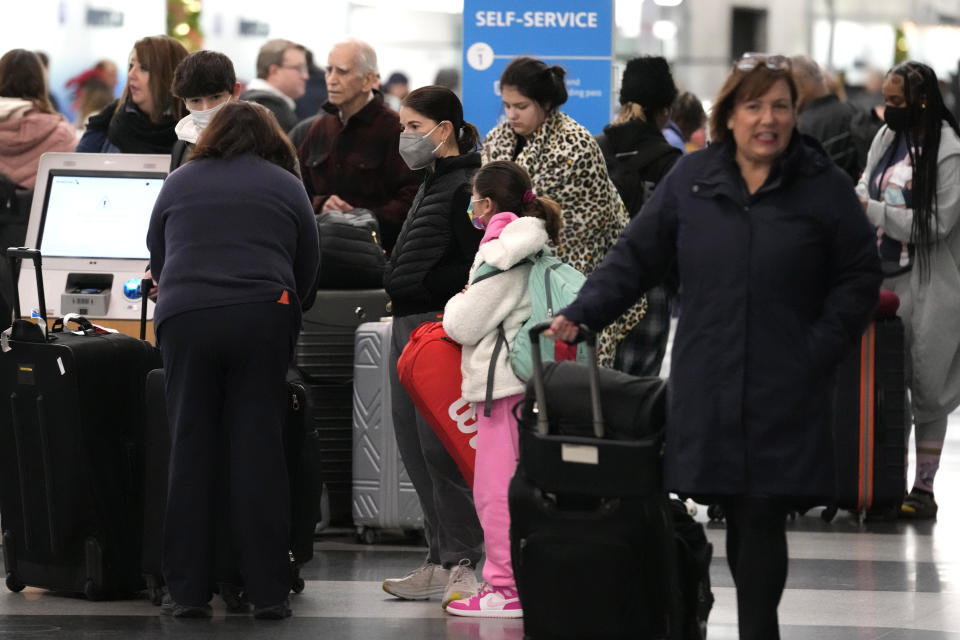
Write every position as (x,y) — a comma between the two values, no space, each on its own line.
(485,318)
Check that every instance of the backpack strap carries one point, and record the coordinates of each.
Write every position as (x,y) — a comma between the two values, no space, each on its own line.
(546,286)
(485,270)
(491,370)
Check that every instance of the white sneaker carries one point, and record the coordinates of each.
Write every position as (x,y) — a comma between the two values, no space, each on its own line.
(462,584)
(423,583)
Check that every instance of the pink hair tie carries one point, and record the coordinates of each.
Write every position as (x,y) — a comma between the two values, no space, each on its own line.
(529,196)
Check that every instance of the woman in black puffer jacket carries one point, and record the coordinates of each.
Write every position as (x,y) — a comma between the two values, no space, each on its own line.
(428,265)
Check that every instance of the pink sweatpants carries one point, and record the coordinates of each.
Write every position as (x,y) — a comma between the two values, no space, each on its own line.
(497,452)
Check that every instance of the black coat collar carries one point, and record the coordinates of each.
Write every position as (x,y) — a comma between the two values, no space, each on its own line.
(720,174)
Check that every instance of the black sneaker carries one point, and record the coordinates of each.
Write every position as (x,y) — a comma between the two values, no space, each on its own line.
(170,608)
(273,612)
(188,611)
(919,505)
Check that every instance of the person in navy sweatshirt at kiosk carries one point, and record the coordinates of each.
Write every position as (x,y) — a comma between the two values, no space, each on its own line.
(233,244)
(780,274)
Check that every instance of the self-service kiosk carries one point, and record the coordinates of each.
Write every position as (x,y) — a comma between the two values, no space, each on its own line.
(89,220)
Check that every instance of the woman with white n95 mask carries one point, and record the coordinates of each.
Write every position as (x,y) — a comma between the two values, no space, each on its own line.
(428,265)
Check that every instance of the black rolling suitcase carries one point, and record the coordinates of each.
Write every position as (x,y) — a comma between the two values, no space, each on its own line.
(592,535)
(302,449)
(71,432)
(324,355)
(870,421)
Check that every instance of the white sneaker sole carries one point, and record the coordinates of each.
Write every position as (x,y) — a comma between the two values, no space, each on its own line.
(470,613)
(398,591)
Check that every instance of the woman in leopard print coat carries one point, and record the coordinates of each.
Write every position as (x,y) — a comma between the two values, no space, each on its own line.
(566,165)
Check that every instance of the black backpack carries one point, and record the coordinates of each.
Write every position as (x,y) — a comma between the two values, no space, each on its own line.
(634,173)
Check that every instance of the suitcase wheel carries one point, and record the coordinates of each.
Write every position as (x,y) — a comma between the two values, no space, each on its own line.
(14,584)
(298,585)
(366,535)
(92,591)
(715,513)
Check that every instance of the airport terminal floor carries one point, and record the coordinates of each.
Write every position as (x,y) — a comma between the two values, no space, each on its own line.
(847,581)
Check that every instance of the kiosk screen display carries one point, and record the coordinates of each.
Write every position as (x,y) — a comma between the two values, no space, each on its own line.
(98,214)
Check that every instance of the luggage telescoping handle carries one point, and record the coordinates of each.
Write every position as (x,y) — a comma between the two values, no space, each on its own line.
(593,371)
(145,285)
(15,254)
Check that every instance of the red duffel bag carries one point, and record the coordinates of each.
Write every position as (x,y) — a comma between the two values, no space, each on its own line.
(429,369)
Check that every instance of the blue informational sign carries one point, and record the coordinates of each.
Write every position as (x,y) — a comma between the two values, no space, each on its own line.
(574,34)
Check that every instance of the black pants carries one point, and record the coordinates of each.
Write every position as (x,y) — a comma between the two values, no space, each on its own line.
(225,371)
(757,555)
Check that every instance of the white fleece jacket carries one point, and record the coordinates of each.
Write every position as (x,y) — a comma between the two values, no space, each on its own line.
(472,317)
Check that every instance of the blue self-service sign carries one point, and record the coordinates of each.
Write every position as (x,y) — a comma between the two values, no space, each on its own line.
(574,34)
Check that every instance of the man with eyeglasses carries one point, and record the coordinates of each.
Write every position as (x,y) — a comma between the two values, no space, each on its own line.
(281,79)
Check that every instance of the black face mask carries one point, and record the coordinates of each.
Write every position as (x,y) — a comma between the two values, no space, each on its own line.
(896,118)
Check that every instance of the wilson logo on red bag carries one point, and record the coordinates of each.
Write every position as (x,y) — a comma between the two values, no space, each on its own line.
(464,414)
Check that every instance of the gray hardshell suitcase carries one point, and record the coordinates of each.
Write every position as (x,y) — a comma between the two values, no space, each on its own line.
(383,495)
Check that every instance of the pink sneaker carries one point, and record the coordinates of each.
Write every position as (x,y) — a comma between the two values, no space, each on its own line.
(490,602)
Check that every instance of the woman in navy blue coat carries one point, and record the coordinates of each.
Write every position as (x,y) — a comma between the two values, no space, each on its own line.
(779,275)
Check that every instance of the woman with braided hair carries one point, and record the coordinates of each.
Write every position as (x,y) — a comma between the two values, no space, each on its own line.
(910,190)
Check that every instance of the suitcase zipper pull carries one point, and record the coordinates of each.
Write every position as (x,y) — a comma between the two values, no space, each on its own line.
(296,402)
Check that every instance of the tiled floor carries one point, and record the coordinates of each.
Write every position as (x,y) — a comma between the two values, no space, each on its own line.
(848,581)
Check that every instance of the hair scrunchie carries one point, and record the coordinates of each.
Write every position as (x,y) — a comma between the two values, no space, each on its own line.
(528,196)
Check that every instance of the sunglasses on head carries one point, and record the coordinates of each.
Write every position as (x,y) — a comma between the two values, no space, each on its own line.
(751,61)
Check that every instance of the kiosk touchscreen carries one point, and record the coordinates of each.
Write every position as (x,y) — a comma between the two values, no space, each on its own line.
(89,220)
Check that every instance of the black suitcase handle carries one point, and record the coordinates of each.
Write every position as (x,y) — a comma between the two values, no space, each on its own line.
(145,285)
(586,335)
(17,255)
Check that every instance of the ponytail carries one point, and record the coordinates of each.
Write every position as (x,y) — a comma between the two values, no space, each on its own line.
(468,138)
(630,111)
(548,211)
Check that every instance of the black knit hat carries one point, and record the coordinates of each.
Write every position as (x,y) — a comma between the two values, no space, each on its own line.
(647,81)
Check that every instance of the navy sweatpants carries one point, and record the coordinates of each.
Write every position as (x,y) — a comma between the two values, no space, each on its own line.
(225,372)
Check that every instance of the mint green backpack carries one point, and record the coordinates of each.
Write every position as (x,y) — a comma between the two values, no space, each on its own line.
(553,285)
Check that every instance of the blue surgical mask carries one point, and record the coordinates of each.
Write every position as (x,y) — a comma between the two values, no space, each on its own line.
(475,221)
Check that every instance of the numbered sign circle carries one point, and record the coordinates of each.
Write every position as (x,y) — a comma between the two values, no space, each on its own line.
(480,56)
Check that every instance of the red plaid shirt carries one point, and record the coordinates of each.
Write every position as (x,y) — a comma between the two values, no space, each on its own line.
(360,162)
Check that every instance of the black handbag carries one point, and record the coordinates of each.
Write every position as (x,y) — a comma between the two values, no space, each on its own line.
(350,253)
